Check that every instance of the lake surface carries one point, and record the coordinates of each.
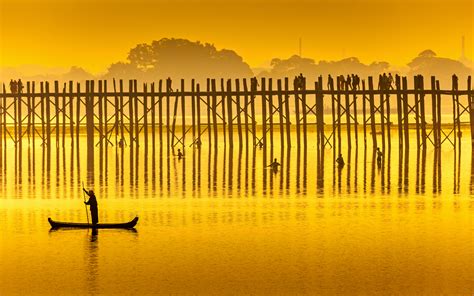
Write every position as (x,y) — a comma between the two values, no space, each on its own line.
(219,222)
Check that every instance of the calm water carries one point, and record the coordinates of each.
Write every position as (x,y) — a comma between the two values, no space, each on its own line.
(220,223)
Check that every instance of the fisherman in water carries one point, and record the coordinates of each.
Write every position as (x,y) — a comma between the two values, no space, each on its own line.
(340,161)
(92,202)
(274,165)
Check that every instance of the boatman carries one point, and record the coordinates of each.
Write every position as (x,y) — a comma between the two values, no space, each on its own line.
(92,202)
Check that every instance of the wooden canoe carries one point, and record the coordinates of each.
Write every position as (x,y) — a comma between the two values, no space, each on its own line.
(126,225)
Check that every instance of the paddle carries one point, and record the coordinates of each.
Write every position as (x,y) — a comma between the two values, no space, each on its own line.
(87,214)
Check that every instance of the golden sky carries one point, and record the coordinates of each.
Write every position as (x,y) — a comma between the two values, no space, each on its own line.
(95,33)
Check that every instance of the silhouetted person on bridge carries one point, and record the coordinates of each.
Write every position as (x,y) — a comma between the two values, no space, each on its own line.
(348,82)
(340,161)
(253,83)
(13,86)
(20,86)
(390,81)
(330,81)
(168,84)
(92,203)
(274,165)
(455,82)
(355,82)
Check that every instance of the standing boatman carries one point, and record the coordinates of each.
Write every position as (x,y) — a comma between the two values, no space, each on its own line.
(92,202)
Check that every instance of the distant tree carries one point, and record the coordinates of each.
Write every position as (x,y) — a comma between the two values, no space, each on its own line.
(428,64)
(292,66)
(295,64)
(142,56)
(123,70)
(181,58)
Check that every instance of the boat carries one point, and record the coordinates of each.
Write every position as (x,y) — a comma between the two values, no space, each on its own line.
(127,225)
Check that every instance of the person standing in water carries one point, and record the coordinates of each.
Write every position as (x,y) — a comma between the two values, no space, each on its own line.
(180,154)
(379,157)
(340,161)
(92,202)
(274,165)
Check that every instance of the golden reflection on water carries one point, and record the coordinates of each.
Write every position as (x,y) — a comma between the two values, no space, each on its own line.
(220,222)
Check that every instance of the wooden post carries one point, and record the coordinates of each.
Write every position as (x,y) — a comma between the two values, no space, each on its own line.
(214,112)
(90,124)
(29,98)
(356,132)
(48,116)
(297,112)
(78,114)
(389,121)
(372,112)
(145,116)
(15,122)
(64,116)
(105,118)
(168,98)
(338,96)
(130,111)
(280,113)
(237,102)
(101,118)
(198,111)
(223,113)
(153,115)
(264,113)
(2,131)
(382,116)
(193,109)
(270,110)
(405,110)
(333,113)
(454,89)
(135,110)
(160,111)
(253,89)
(438,118)
(422,112)
(56,110)
(122,124)
(229,112)
(434,112)
(116,113)
(471,109)
(417,111)
(209,103)
(320,113)
(287,113)
(246,120)
(399,111)
(71,112)
(183,114)
(304,112)
(348,117)
(364,112)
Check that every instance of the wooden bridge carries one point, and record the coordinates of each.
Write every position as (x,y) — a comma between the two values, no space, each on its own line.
(243,112)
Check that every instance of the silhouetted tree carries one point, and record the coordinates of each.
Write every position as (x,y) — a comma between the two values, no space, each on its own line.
(427,63)
(181,58)
(294,65)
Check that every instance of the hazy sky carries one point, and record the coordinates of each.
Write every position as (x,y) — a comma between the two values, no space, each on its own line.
(93,34)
